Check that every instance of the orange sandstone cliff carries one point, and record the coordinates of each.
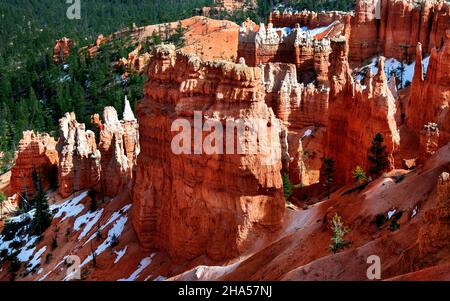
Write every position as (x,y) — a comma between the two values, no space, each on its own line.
(193,204)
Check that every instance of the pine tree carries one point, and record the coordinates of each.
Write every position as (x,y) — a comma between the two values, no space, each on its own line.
(2,199)
(42,217)
(287,186)
(359,175)
(36,116)
(328,174)
(378,156)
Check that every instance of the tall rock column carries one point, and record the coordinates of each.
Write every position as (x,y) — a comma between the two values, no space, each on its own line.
(198,202)
(79,159)
(430,96)
(357,113)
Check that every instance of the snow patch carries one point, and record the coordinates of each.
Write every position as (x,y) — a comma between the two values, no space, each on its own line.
(120,254)
(88,220)
(69,208)
(141,266)
(391,213)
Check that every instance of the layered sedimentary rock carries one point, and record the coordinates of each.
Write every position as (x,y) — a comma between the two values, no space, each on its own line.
(309,54)
(429,99)
(306,18)
(394,27)
(191,201)
(363,41)
(61,50)
(119,147)
(434,234)
(304,113)
(357,113)
(79,158)
(429,141)
(36,154)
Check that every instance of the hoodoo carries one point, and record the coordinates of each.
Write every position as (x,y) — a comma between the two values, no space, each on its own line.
(213,200)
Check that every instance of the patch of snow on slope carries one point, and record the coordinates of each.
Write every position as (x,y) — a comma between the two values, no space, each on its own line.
(112,219)
(88,220)
(27,251)
(36,258)
(120,254)
(141,266)
(160,278)
(393,65)
(115,231)
(69,208)
(391,213)
(319,30)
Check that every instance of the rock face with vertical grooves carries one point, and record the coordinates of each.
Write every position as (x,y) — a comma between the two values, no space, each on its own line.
(429,99)
(194,204)
(357,113)
(36,153)
(79,158)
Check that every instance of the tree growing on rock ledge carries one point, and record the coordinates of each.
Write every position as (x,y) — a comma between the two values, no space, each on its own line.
(378,156)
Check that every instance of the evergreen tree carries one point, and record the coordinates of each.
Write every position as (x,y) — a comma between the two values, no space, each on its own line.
(42,217)
(287,186)
(378,156)
(2,199)
(36,116)
(328,174)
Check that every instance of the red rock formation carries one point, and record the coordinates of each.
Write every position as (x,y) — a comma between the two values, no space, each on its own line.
(61,50)
(119,147)
(394,27)
(213,200)
(79,159)
(434,234)
(364,34)
(36,153)
(309,19)
(302,109)
(429,141)
(357,113)
(308,53)
(429,100)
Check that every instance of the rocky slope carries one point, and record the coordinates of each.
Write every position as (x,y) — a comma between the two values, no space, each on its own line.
(177,203)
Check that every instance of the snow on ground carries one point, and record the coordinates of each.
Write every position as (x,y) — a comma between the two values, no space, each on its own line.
(112,219)
(318,30)
(56,266)
(391,213)
(393,65)
(160,278)
(141,266)
(414,213)
(69,208)
(115,231)
(87,221)
(36,258)
(120,254)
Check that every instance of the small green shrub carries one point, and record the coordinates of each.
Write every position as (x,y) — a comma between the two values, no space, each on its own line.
(339,230)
